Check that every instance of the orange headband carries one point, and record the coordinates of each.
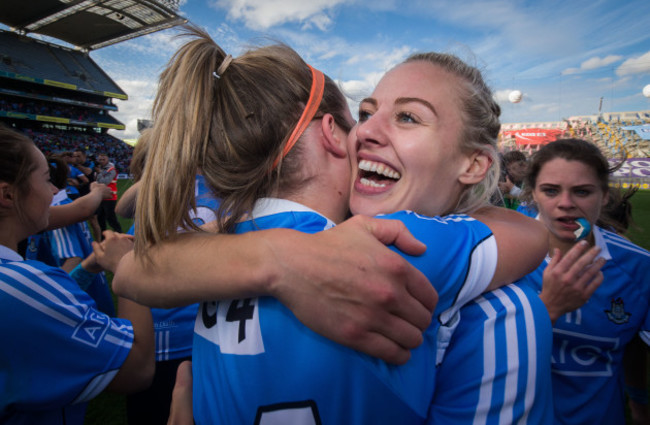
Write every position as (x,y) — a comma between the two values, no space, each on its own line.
(315,97)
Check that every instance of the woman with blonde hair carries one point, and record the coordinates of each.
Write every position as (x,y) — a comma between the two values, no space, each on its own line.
(269,133)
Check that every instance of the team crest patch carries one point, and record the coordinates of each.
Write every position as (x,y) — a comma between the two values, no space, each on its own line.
(617,314)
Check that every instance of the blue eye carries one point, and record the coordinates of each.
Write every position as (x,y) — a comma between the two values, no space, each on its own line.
(364,115)
(550,192)
(406,117)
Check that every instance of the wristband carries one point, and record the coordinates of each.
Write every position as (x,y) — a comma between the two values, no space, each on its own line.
(639,395)
(82,276)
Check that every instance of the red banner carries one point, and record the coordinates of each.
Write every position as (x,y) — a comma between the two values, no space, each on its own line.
(533,136)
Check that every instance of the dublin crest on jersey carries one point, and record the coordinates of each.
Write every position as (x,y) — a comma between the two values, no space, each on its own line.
(617,313)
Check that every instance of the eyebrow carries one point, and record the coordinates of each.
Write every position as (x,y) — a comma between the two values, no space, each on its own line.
(370,100)
(403,101)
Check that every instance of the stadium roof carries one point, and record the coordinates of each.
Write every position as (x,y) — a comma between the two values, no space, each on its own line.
(90,24)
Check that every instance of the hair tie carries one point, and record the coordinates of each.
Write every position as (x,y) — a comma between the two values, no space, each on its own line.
(315,97)
(222,68)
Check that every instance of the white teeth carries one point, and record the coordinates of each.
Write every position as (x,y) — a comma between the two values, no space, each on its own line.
(379,168)
(372,183)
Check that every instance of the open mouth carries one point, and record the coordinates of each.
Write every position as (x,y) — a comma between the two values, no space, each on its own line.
(377,174)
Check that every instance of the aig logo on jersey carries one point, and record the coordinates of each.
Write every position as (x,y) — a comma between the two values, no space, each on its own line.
(576,354)
(617,314)
(92,329)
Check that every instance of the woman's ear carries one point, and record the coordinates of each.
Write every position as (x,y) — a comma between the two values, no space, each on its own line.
(334,138)
(477,167)
(7,195)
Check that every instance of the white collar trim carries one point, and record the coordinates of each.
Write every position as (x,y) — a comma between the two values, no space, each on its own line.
(269,206)
(60,196)
(9,254)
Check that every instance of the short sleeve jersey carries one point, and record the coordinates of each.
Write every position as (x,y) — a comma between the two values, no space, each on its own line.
(63,352)
(75,174)
(497,368)
(255,363)
(588,343)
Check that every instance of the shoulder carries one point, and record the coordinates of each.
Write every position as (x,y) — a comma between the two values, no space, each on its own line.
(457,227)
(621,248)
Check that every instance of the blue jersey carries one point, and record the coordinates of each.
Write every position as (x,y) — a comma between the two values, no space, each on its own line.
(174,327)
(73,173)
(59,351)
(588,343)
(55,246)
(497,369)
(255,363)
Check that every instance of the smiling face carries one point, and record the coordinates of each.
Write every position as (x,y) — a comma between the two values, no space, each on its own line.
(564,191)
(406,144)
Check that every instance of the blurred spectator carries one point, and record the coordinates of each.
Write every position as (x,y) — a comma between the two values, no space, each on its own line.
(107,174)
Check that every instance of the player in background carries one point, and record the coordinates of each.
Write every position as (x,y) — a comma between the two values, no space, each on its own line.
(173,327)
(63,351)
(87,167)
(67,246)
(107,174)
(568,181)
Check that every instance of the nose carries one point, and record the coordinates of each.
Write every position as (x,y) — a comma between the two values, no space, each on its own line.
(55,189)
(565,200)
(371,131)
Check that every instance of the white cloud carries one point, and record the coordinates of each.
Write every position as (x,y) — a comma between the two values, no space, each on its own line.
(264,14)
(635,65)
(593,63)
(141,95)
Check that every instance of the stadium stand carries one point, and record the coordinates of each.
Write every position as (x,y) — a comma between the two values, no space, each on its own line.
(58,95)
(624,138)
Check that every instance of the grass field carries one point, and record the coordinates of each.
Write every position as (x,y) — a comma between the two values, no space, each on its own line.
(109,409)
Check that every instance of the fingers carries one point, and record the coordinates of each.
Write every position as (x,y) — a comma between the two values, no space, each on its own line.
(377,345)
(393,232)
(584,260)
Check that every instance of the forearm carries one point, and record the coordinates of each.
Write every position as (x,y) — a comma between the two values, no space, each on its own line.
(79,210)
(138,369)
(193,267)
(125,206)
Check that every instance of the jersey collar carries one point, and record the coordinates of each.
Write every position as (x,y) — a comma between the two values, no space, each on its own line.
(269,206)
(599,240)
(9,254)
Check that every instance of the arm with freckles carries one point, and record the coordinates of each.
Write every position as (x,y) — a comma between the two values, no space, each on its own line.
(343,283)
(522,243)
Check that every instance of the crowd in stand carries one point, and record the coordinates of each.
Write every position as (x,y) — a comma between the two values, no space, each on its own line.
(54,110)
(94,143)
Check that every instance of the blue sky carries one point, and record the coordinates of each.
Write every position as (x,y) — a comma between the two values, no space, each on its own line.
(563,55)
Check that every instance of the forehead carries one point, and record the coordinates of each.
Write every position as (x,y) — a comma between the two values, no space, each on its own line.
(420,79)
(559,171)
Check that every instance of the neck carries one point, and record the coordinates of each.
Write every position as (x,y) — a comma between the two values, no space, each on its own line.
(322,196)
(8,235)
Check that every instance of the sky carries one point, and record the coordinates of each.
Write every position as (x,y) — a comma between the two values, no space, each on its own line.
(564,56)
